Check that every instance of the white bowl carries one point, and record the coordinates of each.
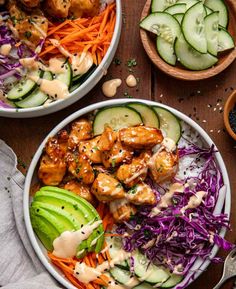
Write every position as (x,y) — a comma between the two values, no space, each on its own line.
(80,92)
(32,177)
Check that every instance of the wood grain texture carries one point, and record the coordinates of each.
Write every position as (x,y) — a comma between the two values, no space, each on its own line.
(180,72)
(192,98)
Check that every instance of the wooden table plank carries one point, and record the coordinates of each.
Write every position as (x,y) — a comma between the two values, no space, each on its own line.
(24,136)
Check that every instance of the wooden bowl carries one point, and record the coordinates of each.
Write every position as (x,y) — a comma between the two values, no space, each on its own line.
(230,103)
(180,72)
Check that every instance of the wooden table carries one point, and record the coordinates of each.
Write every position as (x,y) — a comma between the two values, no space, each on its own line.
(202,101)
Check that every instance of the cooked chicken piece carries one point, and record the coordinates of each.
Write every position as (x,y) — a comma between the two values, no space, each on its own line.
(106,188)
(80,189)
(31,29)
(140,137)
(117,155)
(122,210)
(30,3)
(141,194)
(85,8)
(136,171)
(91,150)
(51,172)
(57,8)
(80,167)
(81,130)
(163,165)
(56,147)
(107,140)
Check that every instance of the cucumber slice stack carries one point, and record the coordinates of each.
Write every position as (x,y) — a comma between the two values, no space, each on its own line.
(136,113)
(197,36)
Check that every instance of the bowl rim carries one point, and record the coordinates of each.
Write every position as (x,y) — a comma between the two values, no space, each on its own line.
(26,197)
(227,109)
(81,91)
(184,73)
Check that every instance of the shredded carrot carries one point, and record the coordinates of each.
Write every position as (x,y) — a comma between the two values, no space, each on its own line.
(83,34)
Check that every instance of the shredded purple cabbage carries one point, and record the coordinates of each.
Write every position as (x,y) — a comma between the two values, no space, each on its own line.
(176,239)
(10,63)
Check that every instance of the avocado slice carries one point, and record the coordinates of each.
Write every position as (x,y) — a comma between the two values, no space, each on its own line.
(62,210)
(99,231)
(77,210)
(44,230)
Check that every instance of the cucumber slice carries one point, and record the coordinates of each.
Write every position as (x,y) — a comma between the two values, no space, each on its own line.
(211,31)
(193,27)
(161,5)
(225,40)
(172,281)
(24,87)
(115,246)
(169,123)
(116,117)
(177,8)
(66,76)
(167,28)
(191,58)
(149,116)
(120,275)
(208,10)
(147,271)
(37,97)
(162,24)
(189,3)
(179,17)
(166,51)
(219,5)
(143,286)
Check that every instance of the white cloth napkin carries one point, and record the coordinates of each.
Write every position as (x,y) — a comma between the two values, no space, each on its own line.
(19,266)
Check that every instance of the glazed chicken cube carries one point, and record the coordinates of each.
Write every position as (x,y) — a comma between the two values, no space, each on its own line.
(107,139)
(30,29)
(141,194)
(91,150)
(106,188)
(84,8)
(140,137)
(56,147)
(117,155)
(51,172)
(80,167)
(122,210)
(57,8)
(30,3)
(163,165)
(80,130)
(79,189)
(136,171)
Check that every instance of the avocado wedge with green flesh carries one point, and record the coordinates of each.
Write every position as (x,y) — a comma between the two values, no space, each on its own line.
(55,210)
(70,203)
(44,192)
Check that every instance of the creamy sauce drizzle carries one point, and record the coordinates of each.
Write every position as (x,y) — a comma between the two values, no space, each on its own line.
(131,81)
(55,65)
(54,88)
(86,274)
(169,144)
(37,27)
(80,63)
(109,88)
(166,200)
(115,205)
(66,244)
(194,201)
(5,49)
